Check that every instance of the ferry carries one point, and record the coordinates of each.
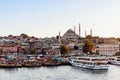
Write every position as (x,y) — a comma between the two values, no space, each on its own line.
(94,63)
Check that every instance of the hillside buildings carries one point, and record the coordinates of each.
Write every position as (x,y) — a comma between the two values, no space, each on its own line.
(103,46)
(74,42)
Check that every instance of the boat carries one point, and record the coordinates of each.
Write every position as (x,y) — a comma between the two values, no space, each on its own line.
(13,65)
(31,63)
(114,60)
(52,62)
(94,63)
(10,64)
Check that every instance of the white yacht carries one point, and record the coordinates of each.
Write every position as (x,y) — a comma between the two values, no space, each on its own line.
(90,62)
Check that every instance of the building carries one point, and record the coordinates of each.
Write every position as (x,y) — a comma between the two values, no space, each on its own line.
(9,49)
(70,36)
(107,49)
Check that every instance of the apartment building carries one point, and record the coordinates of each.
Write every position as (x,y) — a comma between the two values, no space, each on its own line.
(107,49)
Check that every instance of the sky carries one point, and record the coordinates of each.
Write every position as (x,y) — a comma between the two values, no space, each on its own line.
(46,18)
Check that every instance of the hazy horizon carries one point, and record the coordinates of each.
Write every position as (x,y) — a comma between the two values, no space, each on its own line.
(45,18)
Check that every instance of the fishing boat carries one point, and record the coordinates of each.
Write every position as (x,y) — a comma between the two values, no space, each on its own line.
(52,62)
(13,65)
(10,64)
(32,63)
(94,63)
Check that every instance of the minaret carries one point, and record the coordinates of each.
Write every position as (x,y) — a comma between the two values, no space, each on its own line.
(59,39)
(85,33)
(79,30)
(59,44)
(74,29)
(91,32)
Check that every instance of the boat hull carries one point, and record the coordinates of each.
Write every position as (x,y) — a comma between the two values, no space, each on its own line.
(89,64)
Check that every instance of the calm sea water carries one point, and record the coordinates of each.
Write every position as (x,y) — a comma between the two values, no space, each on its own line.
(60,73)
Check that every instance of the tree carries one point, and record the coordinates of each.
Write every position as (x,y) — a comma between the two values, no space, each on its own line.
(1,51)
(75,47)
(10,35)
(117,54)
(25,51)
(43,52)
(32,50)
(18,50)
(57,37)
(89,36)
(118,39)
(88,46)
(63,50)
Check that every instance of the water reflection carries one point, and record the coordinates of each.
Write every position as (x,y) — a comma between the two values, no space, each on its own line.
(9,70)
(89,70)
(59,73)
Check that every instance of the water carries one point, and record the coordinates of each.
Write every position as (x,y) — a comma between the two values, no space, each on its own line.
(60,73)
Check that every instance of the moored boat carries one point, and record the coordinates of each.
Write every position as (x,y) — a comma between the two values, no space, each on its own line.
(99,63)
(6,65)
(10,64)
(31,63)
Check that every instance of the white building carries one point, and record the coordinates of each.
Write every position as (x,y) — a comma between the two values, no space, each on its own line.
(107,49)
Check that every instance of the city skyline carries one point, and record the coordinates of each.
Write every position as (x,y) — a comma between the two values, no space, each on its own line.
(46,18)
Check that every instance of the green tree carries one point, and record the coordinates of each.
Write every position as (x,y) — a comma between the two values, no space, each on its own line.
(63,50)
(88,46)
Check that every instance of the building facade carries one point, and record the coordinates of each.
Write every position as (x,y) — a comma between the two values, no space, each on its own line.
(107,49)
(9,49)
